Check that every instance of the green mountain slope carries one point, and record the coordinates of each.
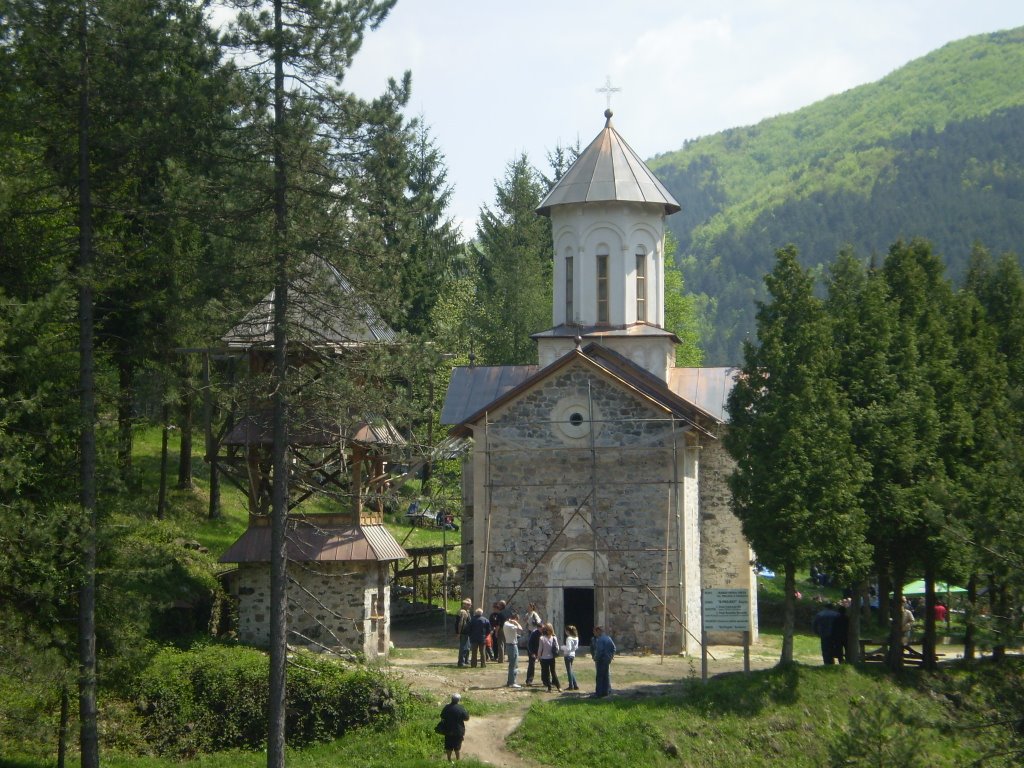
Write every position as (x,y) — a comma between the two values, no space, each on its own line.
(935,149)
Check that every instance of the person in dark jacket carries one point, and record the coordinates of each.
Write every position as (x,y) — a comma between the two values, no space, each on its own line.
(822,624)
(532,649)
(479,629)
(453,722)
(840,633)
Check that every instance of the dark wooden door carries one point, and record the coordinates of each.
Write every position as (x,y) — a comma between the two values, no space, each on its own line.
(579,611)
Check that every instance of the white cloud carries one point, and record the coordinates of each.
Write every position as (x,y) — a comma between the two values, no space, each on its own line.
(494,80)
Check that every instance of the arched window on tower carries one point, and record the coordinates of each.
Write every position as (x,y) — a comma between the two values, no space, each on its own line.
(568,288)
(602,285)
(641,284)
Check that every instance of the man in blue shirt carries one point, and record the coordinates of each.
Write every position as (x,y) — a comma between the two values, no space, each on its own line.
(603,650)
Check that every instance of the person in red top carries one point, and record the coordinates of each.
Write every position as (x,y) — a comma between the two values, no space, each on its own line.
(941,612)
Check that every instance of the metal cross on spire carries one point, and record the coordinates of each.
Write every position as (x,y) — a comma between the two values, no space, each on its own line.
(608,90)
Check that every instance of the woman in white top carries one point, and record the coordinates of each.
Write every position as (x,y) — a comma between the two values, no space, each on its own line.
(572,642)
(547,654)
(533,618)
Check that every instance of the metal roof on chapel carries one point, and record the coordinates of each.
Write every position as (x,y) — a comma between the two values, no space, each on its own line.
(608,170)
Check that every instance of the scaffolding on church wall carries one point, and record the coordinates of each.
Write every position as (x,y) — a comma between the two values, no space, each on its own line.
(593,503)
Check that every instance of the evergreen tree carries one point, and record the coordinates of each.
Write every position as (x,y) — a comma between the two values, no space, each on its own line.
(432,239)
(314,132)
(681,315)
(512,256)
(992,355)
(873,366)
(933,394)
(798,476)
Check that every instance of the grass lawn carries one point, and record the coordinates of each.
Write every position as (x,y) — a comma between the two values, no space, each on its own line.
(796,716)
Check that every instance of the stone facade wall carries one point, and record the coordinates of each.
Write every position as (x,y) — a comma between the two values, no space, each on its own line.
(560,514)
(331,606)
(727,561)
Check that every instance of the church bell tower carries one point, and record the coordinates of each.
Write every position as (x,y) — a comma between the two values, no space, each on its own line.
(608,229)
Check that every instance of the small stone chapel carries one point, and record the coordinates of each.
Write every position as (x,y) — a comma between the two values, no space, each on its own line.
(596,486)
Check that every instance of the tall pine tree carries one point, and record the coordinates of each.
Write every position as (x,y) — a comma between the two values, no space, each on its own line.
(513,262)
(796,488)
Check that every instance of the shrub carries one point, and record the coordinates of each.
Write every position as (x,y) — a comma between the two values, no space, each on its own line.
(215,697)
(884,731)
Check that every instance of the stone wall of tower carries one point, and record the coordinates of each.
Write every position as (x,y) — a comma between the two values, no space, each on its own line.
(726,557)
(587,505)
(656,354)
(331,606)
(617,230)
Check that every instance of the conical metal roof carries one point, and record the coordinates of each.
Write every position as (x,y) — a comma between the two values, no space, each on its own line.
(608,171)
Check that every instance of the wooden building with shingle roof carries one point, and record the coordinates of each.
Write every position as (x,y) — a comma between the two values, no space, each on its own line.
(339,562)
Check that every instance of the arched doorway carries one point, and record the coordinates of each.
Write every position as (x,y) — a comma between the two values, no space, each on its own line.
(574,598)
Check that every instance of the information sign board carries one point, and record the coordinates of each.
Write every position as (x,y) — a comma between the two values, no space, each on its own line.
(726,610)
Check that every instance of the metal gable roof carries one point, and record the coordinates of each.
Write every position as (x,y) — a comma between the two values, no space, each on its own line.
(316,540)
(461,411)
(473,388)
(608,170)
(708,388)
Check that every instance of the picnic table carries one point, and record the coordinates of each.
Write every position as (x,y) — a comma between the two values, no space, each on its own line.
(874,651)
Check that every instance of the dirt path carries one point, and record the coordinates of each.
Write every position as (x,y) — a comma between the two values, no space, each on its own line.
(425,657)
(485,739)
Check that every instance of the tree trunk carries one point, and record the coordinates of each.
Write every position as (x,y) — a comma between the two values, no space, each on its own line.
(87,712)
(62,727)
(788,615)
(125,384)
(884,605)
(853,630)
(998,609)
(161,501)
(865,602)
(928,645)
(185,449)
(210,443)
(279,493)
(894,658)
(970,630)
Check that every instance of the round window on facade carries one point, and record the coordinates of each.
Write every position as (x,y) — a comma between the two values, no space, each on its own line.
(571,418)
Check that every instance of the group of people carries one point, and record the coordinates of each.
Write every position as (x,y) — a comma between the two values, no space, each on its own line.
(832,626)
(496,638)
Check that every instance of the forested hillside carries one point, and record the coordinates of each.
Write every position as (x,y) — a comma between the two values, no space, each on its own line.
(935,149)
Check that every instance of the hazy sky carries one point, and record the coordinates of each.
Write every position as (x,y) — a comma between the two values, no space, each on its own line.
(495,79)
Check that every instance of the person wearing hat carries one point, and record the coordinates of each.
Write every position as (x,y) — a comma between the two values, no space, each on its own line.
(462,630)
(453,725)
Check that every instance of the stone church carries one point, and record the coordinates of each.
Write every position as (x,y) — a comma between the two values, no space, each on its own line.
(596,485)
